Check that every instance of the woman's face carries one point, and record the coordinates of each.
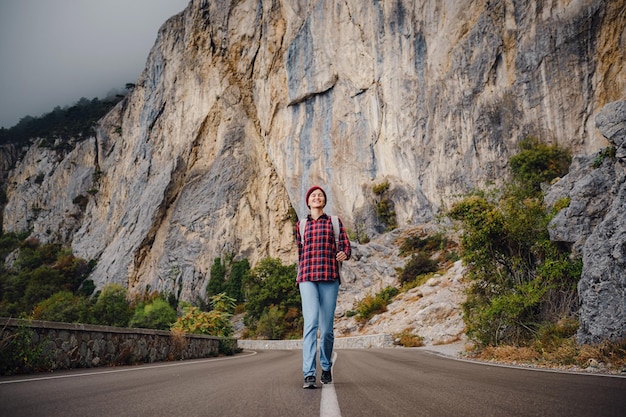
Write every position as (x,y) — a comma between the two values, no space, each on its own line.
(316,199)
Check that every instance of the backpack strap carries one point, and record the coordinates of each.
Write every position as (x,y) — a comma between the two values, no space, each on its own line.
(335,222)
(302,224)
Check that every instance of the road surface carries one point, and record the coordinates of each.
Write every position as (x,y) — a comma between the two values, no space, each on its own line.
(367,382)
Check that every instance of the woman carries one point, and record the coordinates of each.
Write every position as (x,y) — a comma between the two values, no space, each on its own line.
(319,256)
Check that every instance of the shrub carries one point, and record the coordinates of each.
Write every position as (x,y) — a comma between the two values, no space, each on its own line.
(8,243)
(20,352)
(63,306)
(270,325)
(537,163)
(551,336)
(385,210)
(87,288)
(358,234)
(560,204)
(112,308)
(417,265)
(222,302)
(42,283)
(408,339)
(195,321)
(38,272)
(427,244)
(606,153)
(560,350)
(519,278)
(371,305)
(271,290)
(156,314)
(81,201)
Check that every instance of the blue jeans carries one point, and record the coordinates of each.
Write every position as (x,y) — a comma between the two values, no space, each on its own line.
(319,300)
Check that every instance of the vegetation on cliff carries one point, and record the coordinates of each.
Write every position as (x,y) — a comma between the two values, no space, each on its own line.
(521,282)
(73,122)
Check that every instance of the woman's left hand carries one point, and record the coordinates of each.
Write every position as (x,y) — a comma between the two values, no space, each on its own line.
(341,256)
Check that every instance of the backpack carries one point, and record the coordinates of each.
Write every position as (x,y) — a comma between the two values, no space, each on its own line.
(335,223)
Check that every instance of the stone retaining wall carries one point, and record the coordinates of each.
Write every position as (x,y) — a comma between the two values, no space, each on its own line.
(70,345)
(354,342)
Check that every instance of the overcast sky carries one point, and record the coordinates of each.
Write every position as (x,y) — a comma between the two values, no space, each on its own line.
(53,52)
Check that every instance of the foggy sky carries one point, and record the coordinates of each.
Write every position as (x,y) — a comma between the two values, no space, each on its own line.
(53,52)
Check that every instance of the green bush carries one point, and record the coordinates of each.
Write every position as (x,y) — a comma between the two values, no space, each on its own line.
(537,163)
(20,352)
(38,272)
(195,321)
(63,306)
(426,244)
(112,308)
(44,281)
(271,324)
(156,314)
(385,209)
(215,322)
(371,304)
(8,243)
(519,278)
(358,234)
(271,291)
(418,264)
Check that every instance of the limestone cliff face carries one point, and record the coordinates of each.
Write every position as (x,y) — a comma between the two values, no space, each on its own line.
(244,104)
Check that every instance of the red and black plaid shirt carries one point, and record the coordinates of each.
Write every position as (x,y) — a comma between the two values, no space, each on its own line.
(316,257)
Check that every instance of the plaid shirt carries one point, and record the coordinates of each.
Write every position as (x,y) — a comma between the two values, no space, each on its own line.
(316,258)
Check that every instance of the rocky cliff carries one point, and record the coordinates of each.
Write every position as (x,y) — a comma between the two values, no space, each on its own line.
(244,104)
(595,224)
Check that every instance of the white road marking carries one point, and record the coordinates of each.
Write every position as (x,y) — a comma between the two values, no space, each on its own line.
(329,406)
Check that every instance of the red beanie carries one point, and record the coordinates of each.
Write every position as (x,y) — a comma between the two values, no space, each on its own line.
(308,193)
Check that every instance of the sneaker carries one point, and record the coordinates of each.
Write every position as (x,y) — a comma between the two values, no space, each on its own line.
(309,382)
(327,377)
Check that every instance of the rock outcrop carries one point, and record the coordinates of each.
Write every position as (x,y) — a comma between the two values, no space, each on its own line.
(243,105)
(595,223)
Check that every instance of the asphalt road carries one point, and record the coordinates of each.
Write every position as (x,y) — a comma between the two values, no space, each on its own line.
(368,382)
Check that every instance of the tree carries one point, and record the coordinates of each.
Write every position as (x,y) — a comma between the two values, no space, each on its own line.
(227,276)
(217,281)
(234,286)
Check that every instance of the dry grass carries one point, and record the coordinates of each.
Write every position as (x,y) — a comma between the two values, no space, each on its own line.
(609,356)
(508,354)
(178,345)
(408,339)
